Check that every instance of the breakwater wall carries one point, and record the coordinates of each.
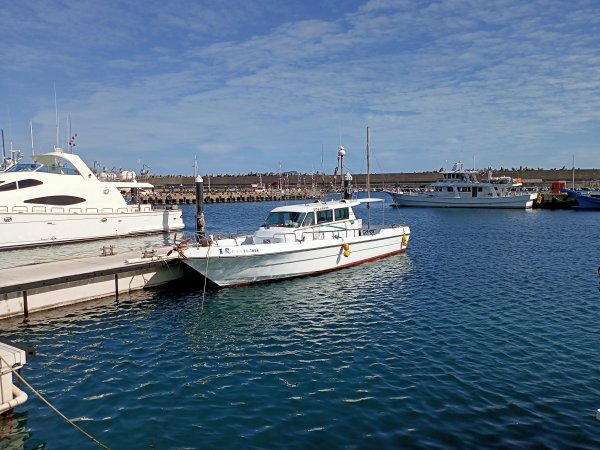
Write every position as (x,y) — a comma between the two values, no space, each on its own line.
(539,178)
(186,196)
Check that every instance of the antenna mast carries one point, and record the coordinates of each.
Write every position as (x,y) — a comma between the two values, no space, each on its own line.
(56,114)
(31,133)
(368,182)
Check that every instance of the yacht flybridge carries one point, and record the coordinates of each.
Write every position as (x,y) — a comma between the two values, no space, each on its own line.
(58,199)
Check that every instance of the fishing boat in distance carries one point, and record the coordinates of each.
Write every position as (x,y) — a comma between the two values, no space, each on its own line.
(460,188)
(296,240)
(59,199)
(583,200)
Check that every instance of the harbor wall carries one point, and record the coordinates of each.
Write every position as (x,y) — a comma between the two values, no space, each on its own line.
(534,177)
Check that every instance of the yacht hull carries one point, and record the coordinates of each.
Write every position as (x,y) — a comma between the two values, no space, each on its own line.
(227,263)
(36,229)
(423,200)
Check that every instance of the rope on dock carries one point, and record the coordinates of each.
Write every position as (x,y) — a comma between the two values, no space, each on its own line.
(54,408)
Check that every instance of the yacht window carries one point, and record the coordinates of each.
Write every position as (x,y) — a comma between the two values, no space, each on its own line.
(57,200)
(342,213)
(29,182)
(8,186)
(310,219)
(325,216)
(22,167)
(291,219)
(479,189)
(450,189)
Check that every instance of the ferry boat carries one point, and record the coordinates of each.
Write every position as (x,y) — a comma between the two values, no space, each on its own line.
(59,199)
(460,188)
(296,240)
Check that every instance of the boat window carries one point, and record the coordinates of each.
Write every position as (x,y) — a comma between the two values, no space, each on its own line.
(450,189)
(29,182)
(310,219)
(22,167)
(59,200)
(342,213)
(291,219)
(8,186)
(325,216)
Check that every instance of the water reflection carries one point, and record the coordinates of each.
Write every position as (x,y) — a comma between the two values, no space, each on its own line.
(14,433)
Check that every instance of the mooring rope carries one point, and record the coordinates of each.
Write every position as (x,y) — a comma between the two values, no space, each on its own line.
(205,275)
(54,408)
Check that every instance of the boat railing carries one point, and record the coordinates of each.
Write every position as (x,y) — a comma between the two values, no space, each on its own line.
(77,210)
(329,234)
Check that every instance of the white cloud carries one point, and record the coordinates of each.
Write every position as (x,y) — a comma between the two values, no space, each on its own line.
(515,83)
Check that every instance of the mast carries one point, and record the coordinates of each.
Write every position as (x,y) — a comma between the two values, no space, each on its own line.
(573,171)
(368,182)
(56,116)
(31,133)
(3,148)
(368,167)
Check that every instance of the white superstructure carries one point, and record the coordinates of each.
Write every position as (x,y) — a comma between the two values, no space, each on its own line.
(58,198)
(460,188)
(296,240)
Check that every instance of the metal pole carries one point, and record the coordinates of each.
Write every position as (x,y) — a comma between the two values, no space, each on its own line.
(200,231)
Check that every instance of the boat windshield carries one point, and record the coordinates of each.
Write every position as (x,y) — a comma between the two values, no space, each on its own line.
(290,219)
(23,167)
(63,168)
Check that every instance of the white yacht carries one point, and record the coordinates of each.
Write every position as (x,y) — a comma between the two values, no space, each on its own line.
(295,240)
(460,188)
(58,199)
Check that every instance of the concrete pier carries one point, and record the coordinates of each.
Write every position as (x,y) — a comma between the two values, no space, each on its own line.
(38,287)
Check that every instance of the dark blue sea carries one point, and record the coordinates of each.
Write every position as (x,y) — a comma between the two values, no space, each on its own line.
(485,334)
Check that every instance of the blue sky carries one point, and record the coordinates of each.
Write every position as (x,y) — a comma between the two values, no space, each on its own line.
(253,85)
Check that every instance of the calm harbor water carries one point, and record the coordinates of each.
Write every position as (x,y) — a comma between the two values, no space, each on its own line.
(483,335)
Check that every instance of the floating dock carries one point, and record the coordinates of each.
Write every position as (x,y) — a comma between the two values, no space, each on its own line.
(11,359)
(39,287)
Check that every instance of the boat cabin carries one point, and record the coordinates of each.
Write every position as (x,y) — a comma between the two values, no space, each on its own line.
(320,220)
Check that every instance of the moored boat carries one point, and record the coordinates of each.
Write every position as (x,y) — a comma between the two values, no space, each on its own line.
(59,199)
(582,200)
(460,188)
(296,240)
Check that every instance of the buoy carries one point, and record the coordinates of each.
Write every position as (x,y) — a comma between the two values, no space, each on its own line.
(346,246)
(404,240)
(346,253)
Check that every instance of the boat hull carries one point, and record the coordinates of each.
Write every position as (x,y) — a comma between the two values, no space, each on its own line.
(582,201)
(235,265)
(430,201)
(36,229)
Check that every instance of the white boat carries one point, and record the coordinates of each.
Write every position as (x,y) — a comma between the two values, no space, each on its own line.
(59,199)
(296,240)
(460,188)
